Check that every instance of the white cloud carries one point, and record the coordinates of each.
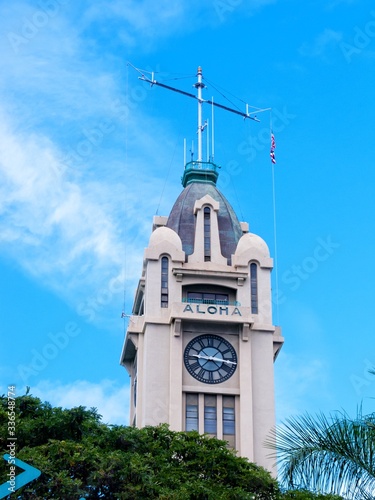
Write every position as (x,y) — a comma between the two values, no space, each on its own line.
(299,380)
(322,43)
(141,24)
(67,212)
(73,212)
(43,208)
(224,9)
(111,399)
(71,231)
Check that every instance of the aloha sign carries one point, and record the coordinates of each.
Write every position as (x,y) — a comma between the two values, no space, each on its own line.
(210,309)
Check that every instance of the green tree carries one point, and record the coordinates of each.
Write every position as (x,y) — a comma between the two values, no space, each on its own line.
(80,457)
(335,454)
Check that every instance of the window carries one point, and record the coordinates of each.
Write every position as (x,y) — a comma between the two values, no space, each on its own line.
(229,421)
(135,372)
(142,308)
(210,415)
(164,282)
(207,298)
(191,412)
(213,414)
(207,233)
(135,391)
(254,288)
(228,415)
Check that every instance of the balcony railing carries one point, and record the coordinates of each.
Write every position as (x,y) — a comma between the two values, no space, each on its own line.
(201,165)
(200,171)
(211,301)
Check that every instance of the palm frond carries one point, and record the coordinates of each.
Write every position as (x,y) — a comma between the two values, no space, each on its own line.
(335,454)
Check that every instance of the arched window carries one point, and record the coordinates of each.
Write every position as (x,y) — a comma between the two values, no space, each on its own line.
(164,282)
(207,233)
(254,288)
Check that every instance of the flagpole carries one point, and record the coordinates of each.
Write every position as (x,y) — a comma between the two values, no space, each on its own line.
(273,162)
(275,240)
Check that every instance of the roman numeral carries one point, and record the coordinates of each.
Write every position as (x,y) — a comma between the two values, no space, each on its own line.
(194,366)
(226,368)
(219,342)
(201,343)
(224,352)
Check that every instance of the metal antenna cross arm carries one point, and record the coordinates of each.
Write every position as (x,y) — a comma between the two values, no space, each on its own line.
(188,94)
(245,115)
(199,85)
(154,82)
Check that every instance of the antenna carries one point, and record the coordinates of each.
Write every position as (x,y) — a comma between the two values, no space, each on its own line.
(199,86)
(213,123)
(208,142)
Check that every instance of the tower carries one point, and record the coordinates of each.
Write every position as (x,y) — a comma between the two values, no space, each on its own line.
(200,343)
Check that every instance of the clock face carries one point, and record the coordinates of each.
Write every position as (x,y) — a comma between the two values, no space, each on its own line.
(210,359)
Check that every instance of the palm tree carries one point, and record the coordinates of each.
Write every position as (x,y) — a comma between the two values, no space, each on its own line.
(332,455)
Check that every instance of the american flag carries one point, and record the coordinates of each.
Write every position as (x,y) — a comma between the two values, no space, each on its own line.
(273,147)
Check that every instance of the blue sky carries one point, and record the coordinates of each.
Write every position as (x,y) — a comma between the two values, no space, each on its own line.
(88,154)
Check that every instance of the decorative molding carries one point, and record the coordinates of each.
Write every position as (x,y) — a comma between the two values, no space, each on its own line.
(206,200)
(245,332)
(177,328)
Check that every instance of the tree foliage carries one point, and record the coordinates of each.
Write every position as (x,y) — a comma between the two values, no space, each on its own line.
(335,454)
(80,457)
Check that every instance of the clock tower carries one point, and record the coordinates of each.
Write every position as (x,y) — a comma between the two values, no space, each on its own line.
(200,343)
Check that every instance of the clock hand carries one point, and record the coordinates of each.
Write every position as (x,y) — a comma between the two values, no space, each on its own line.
(224,361)
(208,358)
(212,358)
